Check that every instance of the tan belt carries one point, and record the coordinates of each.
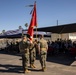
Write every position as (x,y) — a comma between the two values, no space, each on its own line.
(43,48)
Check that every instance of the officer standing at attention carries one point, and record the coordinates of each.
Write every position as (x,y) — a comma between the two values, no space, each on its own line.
(24,50)
(43,47)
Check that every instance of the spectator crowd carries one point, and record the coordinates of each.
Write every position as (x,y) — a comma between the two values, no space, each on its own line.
(54,47)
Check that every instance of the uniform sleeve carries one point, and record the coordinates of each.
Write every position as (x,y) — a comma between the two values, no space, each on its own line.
(46,45)
(38,46)
(20,47)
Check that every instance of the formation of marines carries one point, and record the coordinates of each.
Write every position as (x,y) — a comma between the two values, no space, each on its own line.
(28,52)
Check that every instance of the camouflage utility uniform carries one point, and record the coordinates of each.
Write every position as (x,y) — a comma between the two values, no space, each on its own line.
(32,51)
(24,50)
(43,53)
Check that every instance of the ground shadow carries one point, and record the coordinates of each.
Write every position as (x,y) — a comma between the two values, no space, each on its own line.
(35,69)
(61,58)
(11,68)
(14,69)
(74,65)
(9,53)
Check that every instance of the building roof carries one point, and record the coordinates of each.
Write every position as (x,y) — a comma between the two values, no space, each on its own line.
(66,28)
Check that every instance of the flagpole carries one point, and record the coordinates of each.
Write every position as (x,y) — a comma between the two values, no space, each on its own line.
(36,32)
(36,25)
(33,23)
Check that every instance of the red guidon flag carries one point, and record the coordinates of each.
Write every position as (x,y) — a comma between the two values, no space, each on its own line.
(32,23)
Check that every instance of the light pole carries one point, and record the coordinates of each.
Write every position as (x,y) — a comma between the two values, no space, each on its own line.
(57,22)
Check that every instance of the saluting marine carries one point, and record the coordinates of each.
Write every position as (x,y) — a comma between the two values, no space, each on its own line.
(24,50)
(43,47)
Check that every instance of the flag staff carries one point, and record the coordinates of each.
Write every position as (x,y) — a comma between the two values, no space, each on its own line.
(33,22)
(36,32)
(36,21)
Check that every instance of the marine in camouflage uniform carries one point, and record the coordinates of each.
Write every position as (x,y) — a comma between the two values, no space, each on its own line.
(43,47)
(24,50)
(32,51)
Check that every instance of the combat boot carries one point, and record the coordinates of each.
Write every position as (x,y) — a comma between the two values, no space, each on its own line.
(31,66)
(43,69)
(34,66)
(27,71)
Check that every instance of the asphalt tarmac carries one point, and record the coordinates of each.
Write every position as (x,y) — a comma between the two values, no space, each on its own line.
(61,64)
